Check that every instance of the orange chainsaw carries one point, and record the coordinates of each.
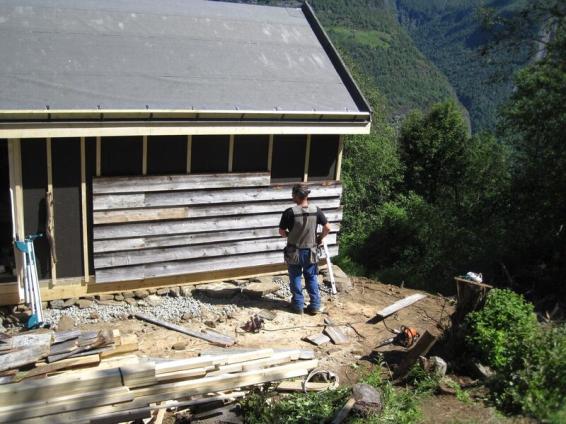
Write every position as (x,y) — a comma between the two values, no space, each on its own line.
(405,336)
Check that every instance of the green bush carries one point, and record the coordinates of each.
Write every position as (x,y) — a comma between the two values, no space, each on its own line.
(500,334)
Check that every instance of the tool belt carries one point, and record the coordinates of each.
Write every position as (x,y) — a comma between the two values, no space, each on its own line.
(291,255)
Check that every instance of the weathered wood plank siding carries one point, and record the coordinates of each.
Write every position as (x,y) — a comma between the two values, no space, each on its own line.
(158,226)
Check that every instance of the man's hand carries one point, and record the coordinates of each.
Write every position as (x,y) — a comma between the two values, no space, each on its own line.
(325,231)
(282,233)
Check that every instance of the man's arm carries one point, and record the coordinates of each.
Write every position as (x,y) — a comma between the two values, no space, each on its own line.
(282,232)
(285,223)
(321,220)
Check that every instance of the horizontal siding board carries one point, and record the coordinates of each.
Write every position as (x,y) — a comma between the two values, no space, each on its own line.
(196,225)
(178,182)
(110,260)
(141,272)
(135,243)
(197,197)
(199,211)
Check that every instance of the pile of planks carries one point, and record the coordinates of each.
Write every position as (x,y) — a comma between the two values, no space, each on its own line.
(46,352)
(129,389)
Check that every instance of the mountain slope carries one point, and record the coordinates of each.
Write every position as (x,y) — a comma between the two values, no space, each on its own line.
(449,33)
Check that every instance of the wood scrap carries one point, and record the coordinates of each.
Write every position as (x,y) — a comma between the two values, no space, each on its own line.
(397,306)
(318,339)
(209,336)
(298,386)
(344,412)
(61,365)
(336,335)
(421,348)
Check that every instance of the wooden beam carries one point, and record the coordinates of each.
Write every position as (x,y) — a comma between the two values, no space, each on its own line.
(117,185)
(231,153)
(51,214)
(98,156)
(270,153)
(202,197)
(339,158)
(161,228)
(200,211)
(307,159)
(144,155)
(421,348)
(117,129)
(397,306)
(84,213)
(15,175)
(189,152)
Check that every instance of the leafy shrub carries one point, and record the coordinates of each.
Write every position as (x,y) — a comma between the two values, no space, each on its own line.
(296,408)
(499,335)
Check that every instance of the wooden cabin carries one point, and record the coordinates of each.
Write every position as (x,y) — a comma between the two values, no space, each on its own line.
(156,142)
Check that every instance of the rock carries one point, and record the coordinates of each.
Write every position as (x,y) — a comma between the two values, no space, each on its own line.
(153,300)
(111,302)
(368,399)
(162,292)
(65,323)
(152,290)
(438,366)
(70,302)
(142,302)
(210,324)
(447,386)
(343,286)
(338,273)
(87,297)
(218,290)
(83,303)
(131,301)
(141,294)
(187,316)
(174,292)
(94,315)
(56,304)
(119,297)
(44,305)
(260,289)
(481,371)
(179,346)
(128,295)
(104,297)
(186,291)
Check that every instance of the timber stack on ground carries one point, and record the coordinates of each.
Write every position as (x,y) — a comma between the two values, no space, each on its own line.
(128,389)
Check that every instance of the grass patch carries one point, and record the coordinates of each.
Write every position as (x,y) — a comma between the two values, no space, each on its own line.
(369,38)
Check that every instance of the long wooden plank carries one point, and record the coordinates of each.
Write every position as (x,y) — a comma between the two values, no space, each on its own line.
(203,197)
(219,340)
(60,404)
(141,272)
(109,260)
(178,182)
(134,243)
(63,364)
(199,211)
(196,225)
(397,306)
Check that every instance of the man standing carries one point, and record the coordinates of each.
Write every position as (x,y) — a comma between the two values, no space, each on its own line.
(299,225)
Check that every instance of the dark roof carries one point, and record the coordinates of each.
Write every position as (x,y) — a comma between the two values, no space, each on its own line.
(168,55)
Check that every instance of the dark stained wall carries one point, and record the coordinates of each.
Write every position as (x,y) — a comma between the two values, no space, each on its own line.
(322,157)
(250,153)
(90,173)
(121,156)
(167,155)
(288,163)
(34,181)
(66,165)
(210,153)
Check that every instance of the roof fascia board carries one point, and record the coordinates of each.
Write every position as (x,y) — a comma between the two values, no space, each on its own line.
(336,60)
(149,128)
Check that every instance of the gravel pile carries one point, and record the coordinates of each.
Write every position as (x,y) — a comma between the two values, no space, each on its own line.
(169,309)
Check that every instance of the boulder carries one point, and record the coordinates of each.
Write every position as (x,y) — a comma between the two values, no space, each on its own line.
(260,289)
(153,300)
(131,301)
(141,294)
(368,400)
(179,346)
(65,323)
(174,292)
(56,304)
(128,295)
(119,297)
(84,303)
(104,297)
(162,291)
(218,290)
(186,291)
(69,302)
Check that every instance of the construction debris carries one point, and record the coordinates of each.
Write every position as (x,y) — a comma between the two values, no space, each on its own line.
(127,391)
(397,306)
(318,339)
(254,324)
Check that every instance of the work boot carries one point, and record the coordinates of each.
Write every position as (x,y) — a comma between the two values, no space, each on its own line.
(295,310)
(314,311)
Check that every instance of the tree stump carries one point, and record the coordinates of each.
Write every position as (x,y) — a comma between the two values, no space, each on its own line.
(471,297)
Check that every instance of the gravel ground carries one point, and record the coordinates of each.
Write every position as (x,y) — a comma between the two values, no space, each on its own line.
(171,309)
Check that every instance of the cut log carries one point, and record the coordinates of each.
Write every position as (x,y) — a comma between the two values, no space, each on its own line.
(397,306)
(471,296)
(421,348)
(214,338)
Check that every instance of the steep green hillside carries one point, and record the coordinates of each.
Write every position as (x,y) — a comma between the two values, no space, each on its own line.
(449,33)
(370,38)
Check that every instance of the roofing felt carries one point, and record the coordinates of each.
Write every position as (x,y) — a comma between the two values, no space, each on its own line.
(166,54)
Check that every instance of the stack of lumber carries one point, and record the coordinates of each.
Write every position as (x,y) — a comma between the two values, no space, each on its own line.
(128,390)
(46,352)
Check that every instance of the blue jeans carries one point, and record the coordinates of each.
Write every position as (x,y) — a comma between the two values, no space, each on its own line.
(309,271)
